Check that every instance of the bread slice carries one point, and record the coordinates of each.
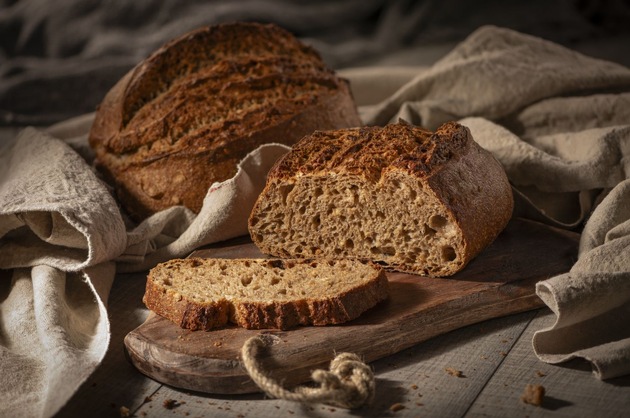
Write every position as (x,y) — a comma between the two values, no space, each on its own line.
(201,294)
(416,201)
(185,116)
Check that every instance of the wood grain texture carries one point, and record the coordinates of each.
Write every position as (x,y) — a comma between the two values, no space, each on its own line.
(415,378)
(568,394)
(499,282)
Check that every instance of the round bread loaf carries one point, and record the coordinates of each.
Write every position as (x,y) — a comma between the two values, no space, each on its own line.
(184,117)
(413,200)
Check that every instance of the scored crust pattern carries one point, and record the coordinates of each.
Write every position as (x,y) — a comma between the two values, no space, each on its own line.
(185,116)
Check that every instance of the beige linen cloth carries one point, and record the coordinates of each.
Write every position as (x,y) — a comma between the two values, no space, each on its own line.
(558,121)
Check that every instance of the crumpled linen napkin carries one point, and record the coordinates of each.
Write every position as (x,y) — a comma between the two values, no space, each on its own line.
(559,122)
(63,239)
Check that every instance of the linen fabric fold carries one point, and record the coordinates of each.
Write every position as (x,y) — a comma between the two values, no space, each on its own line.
(559,122)
(63,239)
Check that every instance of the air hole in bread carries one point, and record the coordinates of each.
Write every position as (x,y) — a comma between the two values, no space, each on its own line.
(285,190)
(437,222)
(428,231)
(318,192)
(349,244)
(274,281)
(276,264)
(316,220)
(388,250)
(448,253)
(245,281)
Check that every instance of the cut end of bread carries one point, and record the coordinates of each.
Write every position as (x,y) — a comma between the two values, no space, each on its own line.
(267,293)
(349,217)
(413,200)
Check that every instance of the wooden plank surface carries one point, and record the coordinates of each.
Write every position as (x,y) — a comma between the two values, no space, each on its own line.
(571,390)
(495,356)
(499,282)
(415,378)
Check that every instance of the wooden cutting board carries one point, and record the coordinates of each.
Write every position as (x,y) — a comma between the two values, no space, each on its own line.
(500,281)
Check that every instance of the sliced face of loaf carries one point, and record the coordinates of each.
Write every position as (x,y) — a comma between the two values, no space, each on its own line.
(184,117)
(416,201)
(201,294)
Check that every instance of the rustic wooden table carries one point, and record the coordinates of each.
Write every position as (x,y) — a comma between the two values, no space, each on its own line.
(495,357)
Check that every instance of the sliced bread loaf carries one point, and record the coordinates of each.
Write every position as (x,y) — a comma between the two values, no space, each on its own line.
(417,201)
(203,294)
(185,116)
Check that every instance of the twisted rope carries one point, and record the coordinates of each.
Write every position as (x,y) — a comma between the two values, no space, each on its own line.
(349,383)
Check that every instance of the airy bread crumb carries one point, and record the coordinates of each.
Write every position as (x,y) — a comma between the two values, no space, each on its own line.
(203,294)
(412,200)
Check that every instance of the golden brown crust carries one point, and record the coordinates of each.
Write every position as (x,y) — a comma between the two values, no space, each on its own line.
(476,190)
(199,104)
(312,309)
(444,172)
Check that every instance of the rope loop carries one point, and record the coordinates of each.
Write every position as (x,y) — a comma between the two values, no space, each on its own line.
(349,382)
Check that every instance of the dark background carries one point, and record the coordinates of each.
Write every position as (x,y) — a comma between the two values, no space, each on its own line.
(58,58)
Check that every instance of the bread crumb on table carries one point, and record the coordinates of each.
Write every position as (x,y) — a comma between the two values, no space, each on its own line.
(397,407)
(454,372)
(124,412)
(533,394)
(170,403)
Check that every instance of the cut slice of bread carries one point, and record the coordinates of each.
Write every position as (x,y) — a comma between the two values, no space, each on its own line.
(202,294)
(416,201)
